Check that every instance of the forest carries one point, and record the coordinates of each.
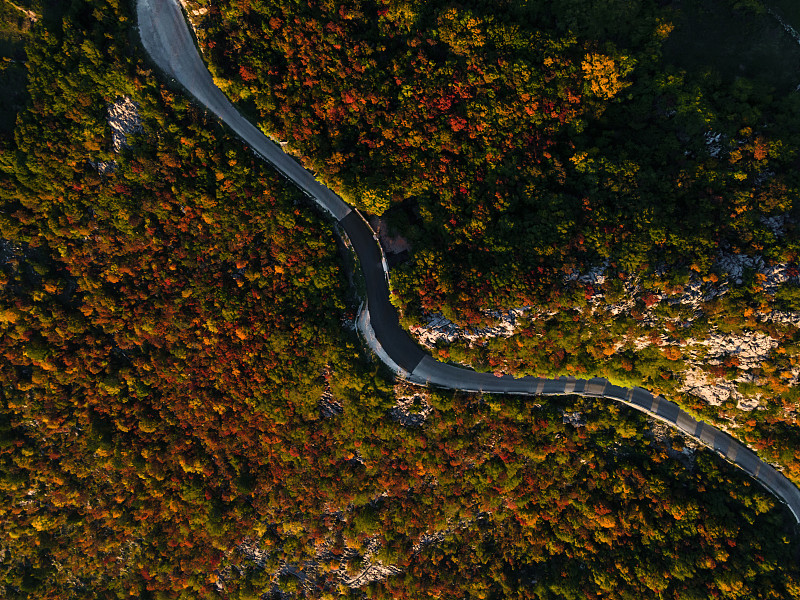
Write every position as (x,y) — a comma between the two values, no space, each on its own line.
(186,410)
(516,147)
(522,140)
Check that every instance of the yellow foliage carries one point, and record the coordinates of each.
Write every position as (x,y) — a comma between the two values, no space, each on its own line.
(602,75)
(402,14)
(664,29)
(606,521)
(41,523)
(461,31)
(8,315)
(374,202)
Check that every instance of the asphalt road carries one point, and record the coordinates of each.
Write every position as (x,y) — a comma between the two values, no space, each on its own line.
(166,38)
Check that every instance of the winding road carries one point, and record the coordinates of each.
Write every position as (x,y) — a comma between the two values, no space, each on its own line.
(167,39)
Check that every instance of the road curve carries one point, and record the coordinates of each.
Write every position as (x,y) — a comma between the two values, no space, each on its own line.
(166,38)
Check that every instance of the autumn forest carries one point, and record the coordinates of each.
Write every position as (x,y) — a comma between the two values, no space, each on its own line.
(186,408)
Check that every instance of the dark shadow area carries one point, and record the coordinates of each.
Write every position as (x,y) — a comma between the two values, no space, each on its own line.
(15,27)
(53,11)
(711,36)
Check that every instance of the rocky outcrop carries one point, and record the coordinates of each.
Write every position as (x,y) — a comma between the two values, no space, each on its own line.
(746,350)
(439,329)
(124,120)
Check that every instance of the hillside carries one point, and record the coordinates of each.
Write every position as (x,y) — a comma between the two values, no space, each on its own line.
(188,413)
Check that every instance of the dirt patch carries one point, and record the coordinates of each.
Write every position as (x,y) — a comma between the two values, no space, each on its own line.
(28,13)
(391,244)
